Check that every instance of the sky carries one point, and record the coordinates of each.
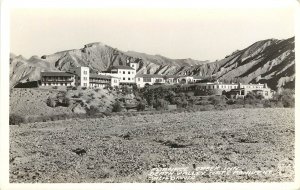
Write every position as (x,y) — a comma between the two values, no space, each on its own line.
(193,31)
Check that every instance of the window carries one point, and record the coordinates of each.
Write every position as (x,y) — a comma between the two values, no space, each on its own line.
(139,79)
(266,93)
(123,72)
(120,71)
(123,78)
(146,79)
(158,80)
(84,84)
(128,72)
(85,72)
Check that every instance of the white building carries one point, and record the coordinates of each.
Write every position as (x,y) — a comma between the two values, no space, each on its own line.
(197,79)
(126,74)
(100,81)
(185,79)
(149,79)
(258,89)
(82,76)
(217,86)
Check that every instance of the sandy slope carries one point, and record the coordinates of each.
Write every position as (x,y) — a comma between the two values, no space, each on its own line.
(32,102)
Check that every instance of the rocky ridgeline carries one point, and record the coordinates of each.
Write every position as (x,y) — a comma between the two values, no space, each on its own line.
(269,61)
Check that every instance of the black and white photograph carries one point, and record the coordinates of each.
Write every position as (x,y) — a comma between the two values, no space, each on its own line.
(113,92)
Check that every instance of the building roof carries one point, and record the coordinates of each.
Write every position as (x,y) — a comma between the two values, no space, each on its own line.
(170,76)
(122,67)
(92,75)
(56,74)
(197,77)
(150,75)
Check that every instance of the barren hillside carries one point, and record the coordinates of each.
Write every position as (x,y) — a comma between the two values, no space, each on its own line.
(271,61)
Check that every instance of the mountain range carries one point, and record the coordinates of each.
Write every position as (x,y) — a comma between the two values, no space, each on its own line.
(268,61)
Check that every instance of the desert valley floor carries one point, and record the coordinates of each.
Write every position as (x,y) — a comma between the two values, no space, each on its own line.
(126,149)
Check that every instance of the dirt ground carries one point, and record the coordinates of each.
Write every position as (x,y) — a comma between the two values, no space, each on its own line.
(239,145)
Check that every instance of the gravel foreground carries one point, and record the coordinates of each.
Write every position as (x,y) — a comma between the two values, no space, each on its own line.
(241,145)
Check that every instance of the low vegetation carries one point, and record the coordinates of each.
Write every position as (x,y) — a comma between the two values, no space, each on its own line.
(150,100)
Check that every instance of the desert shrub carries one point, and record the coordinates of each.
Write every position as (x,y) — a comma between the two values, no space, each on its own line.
(74,88)
(192,100)
(103,96)
(190,94)
(116,107)
(184,103)
(80,94)
(83,88)
(97,89)
(203,102)
(116,88)
(54,87)
(286,97)
(240,101)
(217,100)
(126,90)
(128,114)
(93,110)
(161,104)
(51,102)
(259,97)
(65,102)
(53,118)
(251,99)
(75,96)
(141,105)
(69,87)
(231,102)
(268,104)
(108,87)
(107,114)
(204,92)
(15,119)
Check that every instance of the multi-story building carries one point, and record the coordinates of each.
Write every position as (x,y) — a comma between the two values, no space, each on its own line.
(97,81)
(57,79)
(125,73)
(78,76)
(82,76)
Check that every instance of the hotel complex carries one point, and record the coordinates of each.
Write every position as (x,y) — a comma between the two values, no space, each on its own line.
(126,76)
